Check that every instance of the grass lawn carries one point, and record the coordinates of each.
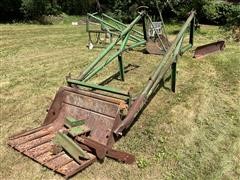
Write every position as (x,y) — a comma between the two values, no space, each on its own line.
(192,134)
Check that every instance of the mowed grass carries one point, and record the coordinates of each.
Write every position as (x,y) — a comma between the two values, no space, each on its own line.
(192,134)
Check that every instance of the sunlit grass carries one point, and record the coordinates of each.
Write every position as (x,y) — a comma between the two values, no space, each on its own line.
(192,134)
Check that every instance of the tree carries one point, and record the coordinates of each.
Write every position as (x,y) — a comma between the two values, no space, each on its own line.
(34,9)
(76,7)
(10,10)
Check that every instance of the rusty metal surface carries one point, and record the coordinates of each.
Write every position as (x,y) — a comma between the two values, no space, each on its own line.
(121,156)
(102,151)
(133,111)
(204,50)
(38,146)
(100,113)
(154,46)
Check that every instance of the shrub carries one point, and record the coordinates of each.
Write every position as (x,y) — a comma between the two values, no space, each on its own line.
(34,9)
(222,13)
(76,7)
(10,10)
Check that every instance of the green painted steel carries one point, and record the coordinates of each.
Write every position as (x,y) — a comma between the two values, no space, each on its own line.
(186,48)
(89,71)
(99,58)
(167,61)
(122,24)
(121,66)
(169,58)
(191,37)
(155,79)
(143,42)
(133,23)
(115,55)
(70,146)
(76,131)
(114,27)
(177,50)
(71,122)
(97,87)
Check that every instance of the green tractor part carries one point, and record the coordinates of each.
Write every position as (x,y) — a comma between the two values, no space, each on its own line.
(153,35)
(85,119)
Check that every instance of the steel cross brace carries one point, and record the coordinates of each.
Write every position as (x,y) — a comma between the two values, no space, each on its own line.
(115,25)
(124,37)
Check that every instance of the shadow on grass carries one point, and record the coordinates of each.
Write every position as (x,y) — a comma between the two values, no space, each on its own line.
(161,85)
(129,67)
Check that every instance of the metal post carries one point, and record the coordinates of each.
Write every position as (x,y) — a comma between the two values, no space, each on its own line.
(87,24)
(163,25)
(192,28)
(191,37)
(87,30)
(121,66)
(99,68)
(144,28)
(111,37)
(176,53)
(174,75)
(165,63)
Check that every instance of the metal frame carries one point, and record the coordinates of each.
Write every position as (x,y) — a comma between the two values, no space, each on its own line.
(169,61)
(125,36)
(111,26)
(170,58)
(104,117)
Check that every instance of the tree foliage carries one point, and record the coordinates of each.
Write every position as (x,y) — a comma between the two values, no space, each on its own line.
(208,11)
(76,7)
(33,9)
(10,10)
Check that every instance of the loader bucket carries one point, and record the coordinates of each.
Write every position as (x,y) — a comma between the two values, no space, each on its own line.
(100,113)
(155,45)
(206,49)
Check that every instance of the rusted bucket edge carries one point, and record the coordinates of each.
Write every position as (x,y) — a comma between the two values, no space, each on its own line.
(206,49)
(94,94)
